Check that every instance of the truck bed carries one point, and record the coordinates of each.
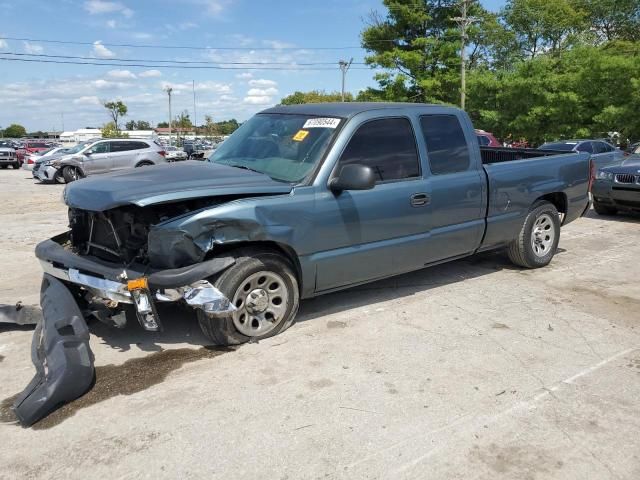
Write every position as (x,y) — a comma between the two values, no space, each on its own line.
(500,155)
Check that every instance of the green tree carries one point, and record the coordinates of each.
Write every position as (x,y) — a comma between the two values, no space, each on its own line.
(612,19)
(182,120)
(109,130)
(315,96)
(543,26)
(162,125)
(116,110)
(15,131)
(143,125)
(418,43)
(227,127)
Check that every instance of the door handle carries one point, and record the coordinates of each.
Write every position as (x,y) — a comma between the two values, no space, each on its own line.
(420,199)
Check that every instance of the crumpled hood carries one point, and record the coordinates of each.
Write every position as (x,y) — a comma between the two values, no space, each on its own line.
(167,183)
(630,165)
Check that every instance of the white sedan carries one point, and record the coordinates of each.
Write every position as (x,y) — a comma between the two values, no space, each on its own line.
(174,154)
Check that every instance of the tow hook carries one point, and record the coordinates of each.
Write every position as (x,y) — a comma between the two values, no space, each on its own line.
(60,353)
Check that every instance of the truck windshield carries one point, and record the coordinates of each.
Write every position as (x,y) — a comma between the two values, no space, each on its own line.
(285,147)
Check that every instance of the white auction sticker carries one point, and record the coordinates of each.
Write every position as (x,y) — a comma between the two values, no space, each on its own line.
(321,123)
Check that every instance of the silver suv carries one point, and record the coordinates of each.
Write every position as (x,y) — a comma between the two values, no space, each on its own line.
(102,156)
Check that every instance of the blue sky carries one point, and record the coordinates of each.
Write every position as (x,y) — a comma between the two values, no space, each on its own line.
(41,95)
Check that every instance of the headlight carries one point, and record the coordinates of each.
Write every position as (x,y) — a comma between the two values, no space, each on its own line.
(602,175)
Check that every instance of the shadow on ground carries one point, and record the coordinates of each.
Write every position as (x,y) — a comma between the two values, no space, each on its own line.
(621,216)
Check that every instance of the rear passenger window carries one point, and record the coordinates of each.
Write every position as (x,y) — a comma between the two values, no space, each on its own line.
(599,147)
(483,141)
(585,147)
(388,146)
(446,144)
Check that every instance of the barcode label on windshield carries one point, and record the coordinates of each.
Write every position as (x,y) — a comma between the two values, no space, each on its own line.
(321,123)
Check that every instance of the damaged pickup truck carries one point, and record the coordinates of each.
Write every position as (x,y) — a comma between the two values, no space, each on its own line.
(300,201)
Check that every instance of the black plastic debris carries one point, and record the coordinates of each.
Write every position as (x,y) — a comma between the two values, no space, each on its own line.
(60,353)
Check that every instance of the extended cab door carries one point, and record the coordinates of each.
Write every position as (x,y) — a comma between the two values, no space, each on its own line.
(457,186)
(96,159)
(363,235)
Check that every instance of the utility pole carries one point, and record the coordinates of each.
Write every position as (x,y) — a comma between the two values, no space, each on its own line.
(195,123)
(169,90)
(62,117)
(344,67)
(464,22)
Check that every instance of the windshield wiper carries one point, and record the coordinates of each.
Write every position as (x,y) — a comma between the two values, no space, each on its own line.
(246,168)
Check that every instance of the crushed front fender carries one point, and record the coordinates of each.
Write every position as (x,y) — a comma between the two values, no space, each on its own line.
(60,353)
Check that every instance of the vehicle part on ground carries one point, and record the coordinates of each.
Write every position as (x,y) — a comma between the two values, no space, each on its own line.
(60,353)
(264,292)
(20,314)
(538,240)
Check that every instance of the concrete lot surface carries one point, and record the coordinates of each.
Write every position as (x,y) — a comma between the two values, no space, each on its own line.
(470,370)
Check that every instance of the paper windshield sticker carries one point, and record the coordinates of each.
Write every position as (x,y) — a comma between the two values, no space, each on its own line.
(300,136)
(322,123)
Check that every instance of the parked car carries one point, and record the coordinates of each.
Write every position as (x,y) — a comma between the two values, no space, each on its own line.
(617,187)
(31,159)
(99,157)
(29,147)
(8,157)
(633,149)
(68,151)
(602,153)
(300,201)
(174,154)
(486,139)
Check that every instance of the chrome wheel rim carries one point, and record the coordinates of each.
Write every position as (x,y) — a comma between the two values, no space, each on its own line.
(261,301)
(543,235)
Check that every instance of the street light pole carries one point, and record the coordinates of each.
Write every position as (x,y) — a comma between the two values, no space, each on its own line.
(169,90)
(464,22)
(195,123)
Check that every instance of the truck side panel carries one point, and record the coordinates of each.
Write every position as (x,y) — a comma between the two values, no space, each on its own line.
(515,186)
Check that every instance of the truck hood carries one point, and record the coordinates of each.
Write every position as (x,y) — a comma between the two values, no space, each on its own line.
(630,165)
(167,183)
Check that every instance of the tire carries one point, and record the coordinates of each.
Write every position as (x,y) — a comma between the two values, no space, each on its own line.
(69,174)
(538,239)
(16,165)
(144,163)
(243,284)
(3,166)
(603,209)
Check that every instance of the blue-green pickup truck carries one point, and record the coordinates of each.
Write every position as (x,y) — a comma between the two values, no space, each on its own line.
(300,201)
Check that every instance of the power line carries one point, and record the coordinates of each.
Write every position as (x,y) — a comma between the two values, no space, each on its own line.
(146,65)
(179,62)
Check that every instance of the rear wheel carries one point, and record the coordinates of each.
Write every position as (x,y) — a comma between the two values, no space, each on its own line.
(69,174)
(144,163)
(538,239)
(264,290)
(604,209)
(4,166)
(16,165)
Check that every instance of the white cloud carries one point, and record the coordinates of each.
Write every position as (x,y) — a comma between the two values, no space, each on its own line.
(97,7)
(33,48)
(3,44)
(102,84)
(263,100)
(263,83)
(101,51)
(208,86)
(150,74)
(244,76)
(121,74)
(213,7)
(277,44)
(260,92)
(112,23)
(87,100)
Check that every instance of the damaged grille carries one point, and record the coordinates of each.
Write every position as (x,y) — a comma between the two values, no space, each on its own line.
(116,236)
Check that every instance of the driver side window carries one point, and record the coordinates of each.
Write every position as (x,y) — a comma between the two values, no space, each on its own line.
(99,148)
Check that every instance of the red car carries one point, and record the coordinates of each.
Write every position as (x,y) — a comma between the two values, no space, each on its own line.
(30,147)
(486,139)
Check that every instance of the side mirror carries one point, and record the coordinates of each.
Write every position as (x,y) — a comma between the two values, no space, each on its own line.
(88,154)
(353,177)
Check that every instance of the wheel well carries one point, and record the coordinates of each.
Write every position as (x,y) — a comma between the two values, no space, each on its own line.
(558,199)
(265,246)
(144,162)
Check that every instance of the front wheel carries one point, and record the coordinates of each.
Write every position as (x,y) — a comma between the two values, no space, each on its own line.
(16,165)
(144,163)
(69,174)
(538,239)
(264,290)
